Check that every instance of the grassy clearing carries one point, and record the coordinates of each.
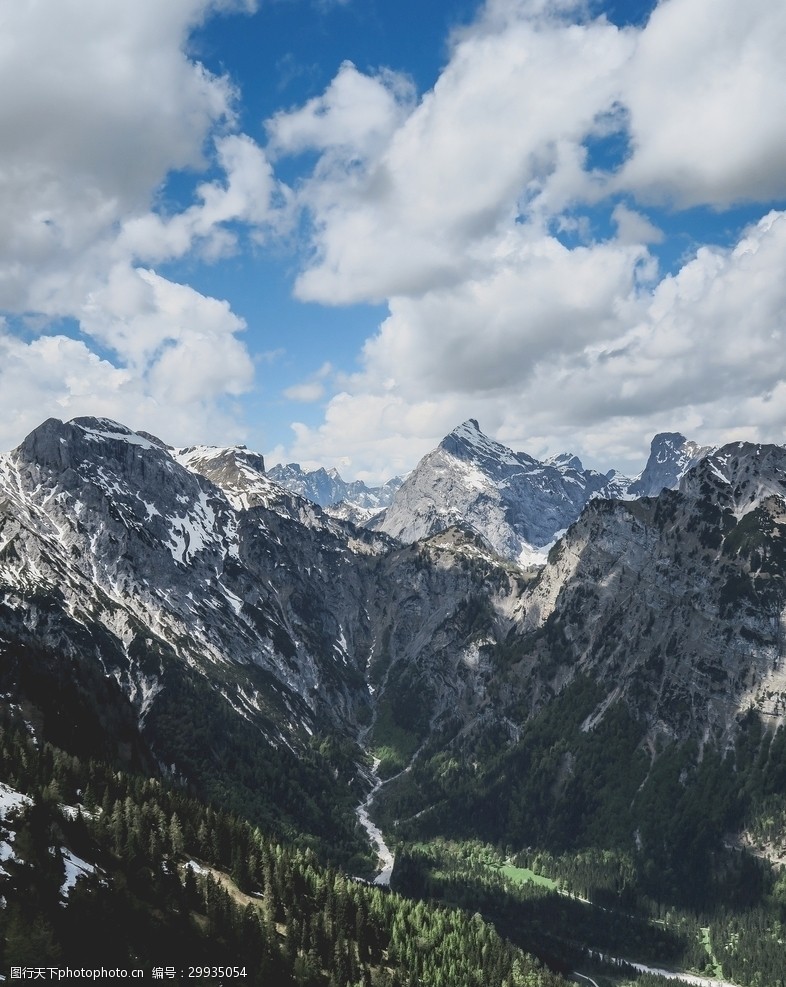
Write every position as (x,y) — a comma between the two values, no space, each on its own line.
(523,875)
(717,969)
(452,857)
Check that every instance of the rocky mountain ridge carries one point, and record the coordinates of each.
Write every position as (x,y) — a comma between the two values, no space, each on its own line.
(160,574)
(202,550)
(326,488)
(170,580)
(671,456)
(516,503)
(679,599)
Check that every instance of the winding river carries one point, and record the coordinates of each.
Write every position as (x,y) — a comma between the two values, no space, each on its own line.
(686,978)
(386,857)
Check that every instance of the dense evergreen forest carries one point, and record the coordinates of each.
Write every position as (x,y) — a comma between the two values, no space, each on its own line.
(554,906)
(175,882)
(647,839)
(184,873)
(564,789)
(306,795)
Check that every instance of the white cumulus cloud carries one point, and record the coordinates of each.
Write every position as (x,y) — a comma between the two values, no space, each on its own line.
(457,212)
(706,91)
(99,104)
(426,205)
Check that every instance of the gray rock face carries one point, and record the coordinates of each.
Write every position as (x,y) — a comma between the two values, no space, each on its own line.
(515,503)
(143,559)
(241,476)
(738,477)
(138,547)
(671,456)
(677,602)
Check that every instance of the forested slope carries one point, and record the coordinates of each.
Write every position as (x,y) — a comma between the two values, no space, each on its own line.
(169,882)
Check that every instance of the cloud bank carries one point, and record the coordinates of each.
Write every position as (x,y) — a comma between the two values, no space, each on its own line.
(518,264)
(518,220)
(101,104)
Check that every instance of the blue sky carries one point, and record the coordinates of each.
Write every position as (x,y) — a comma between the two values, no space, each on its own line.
(333,230)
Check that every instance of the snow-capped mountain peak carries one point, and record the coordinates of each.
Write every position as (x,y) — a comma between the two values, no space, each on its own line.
(237,471)
(326,488)
(516,503)
(671,456)
(565,460)
(467,442)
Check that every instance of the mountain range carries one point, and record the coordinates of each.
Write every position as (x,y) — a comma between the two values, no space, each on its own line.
(536,654)
(515,503)
(326,488)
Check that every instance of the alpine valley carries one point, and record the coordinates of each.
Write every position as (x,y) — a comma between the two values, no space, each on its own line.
(557,696)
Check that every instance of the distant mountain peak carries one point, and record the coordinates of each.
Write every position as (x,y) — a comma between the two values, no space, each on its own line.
(515,502)
(326,488)
(664,441)
(467,442)
(671,456)
(565,460)
(240,473)
(469,432)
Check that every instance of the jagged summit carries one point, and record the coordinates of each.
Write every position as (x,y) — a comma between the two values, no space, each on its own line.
(326,488)
(515,502)
(567,460)
(468,443)
(671,456)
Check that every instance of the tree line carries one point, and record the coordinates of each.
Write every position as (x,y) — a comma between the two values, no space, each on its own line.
(176,882)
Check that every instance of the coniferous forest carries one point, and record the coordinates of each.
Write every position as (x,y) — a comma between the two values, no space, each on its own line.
(176,884)
(182,886)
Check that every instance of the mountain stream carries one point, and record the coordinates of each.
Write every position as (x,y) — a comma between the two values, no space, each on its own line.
(376,839)
(387,859)
(684,978)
